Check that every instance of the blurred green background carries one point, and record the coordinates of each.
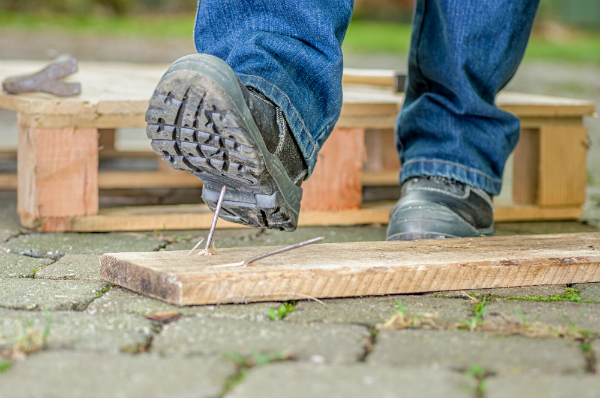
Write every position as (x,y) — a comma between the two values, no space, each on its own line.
(567,30)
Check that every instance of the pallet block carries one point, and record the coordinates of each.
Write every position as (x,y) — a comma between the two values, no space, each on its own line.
(336,183)
(358,269)
(58,175)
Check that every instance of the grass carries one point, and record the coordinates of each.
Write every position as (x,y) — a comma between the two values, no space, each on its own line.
(284,309)
(5,365)
(28,340)
(570,294)
(403,319)
(362,36)
(105,290)
(477,319)
(179,26)
(243,362)
(478,374)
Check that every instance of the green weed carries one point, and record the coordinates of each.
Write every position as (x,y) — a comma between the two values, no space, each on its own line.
(247,361)
(182,238)
(570,294)
(402,319)
(28,339)
(477,319)
(5,365)
(401,308)
(282,311)
(103,291)
(479,374)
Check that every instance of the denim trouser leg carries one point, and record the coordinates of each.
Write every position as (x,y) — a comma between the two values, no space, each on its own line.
(288,50)
(462,53)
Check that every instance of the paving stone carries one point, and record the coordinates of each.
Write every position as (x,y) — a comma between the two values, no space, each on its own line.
(525,291)
(298,380)
(56,245)
(91,375)
(543,386)
(120,300)
(84,267)
(588,291)
(209,336)
(559,313)
(596,352)
(269,237)
(376,310)
(460,349)
(34,294)
(10,225)
(16,266)
(6,234)
(78,330)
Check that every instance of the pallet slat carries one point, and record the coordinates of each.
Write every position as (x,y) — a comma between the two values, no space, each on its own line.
(349,269)
(150,218)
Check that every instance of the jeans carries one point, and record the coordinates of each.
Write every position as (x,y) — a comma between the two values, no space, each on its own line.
(462,53)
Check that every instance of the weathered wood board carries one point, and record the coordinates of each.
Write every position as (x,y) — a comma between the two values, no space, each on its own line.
(358,269)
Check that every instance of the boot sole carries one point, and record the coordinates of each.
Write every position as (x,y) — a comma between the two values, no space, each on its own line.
(198,121)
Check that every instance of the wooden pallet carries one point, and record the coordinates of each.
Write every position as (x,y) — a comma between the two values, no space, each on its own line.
(61,140)
(358,269)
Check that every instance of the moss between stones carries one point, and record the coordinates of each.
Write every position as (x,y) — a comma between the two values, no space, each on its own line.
(570,295)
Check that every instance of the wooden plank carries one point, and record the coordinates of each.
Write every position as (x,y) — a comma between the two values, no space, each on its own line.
(562,174)
(8,181)
(350,269)
(526,170)
(518,212)
(147,179)
(116,95)
(336,181)
(127,180)
(380,178)
(57,173)
(149,218)
(374,77)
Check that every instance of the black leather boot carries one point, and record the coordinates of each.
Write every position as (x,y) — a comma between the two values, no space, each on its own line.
(438,207)
(202,119)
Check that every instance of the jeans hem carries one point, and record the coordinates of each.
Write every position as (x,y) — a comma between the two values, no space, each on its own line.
(444,168)
(303,138)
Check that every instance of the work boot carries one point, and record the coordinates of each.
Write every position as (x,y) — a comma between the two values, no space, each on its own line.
(202,119)
(438,207)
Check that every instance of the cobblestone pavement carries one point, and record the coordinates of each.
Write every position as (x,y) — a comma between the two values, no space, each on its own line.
(64,332)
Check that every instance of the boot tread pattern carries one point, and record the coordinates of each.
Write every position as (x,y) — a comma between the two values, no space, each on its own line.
(190,132)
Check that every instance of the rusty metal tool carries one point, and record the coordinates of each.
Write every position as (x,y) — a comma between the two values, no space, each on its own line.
(47,80)
(208,251)
(246,263)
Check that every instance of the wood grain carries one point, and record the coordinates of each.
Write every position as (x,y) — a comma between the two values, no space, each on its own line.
(127,180)
(147,179)
(57,173)
(336,183)
(562,165)
(526,171)
(358,269)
